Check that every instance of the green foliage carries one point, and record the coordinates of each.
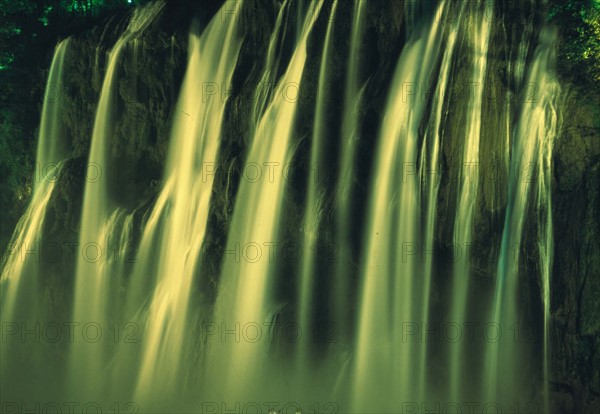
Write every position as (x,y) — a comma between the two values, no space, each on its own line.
(25,23)
(579,21)
(16,161)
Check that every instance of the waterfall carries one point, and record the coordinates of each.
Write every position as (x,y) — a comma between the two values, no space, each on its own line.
(430,186)
(245,289)
(24,277)
(18,283)
(532,146)
(314,204)
(50,152)
(211,337)
(468,184)
(51,143)
(93,278)
(389,283)
(183,206)
(350,132)
(264,92)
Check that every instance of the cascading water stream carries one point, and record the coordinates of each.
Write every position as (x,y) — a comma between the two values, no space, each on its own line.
(245,289)
(532,145)
(23,280)
(349,131)
(429,166)
(28,233)
(546,251)
(184,205)
(266,85)
(115,238)
(93,280)
(20,274)
(313,209)
(389,281)
(516,70)
(52,147)
(468,182)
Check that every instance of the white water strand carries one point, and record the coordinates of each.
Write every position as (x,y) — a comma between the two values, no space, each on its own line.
(266,85)
(52,147)
(25,275)
(184,206)
(468,183)
(533,142)
(245,289)
(50,153)
(313,210)
(430,185)
(349,134)
(389,284)
(92,281)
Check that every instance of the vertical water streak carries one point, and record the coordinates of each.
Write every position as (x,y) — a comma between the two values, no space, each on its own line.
(51,146)
(313,208)
(266,85)
(21,293)
(546,253)
(244,297)
(143,275)
(299,14)
(184,204)
(391,288)
(24,270)
(352,100)
(545,228)
(50,151)
(92,281)
(96,66)
(114,240)
(21,264)
(468,183)
(19,277)
(516,73)
(410,11)
(532,146)
(429,175)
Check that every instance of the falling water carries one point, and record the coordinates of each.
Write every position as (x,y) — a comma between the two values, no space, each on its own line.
(479,21)
(382,361)
(546,248)
(115,240)
(314,203)
(352,100)
(184,205)
(266,86)
(52,147)
(92,283)
(19,279)
(23,276)
(516,67)
(245,295)
(389,281)
(532,145)
(431,151)
(50,152)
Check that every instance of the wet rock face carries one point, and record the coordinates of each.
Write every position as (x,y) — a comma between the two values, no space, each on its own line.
(144,96)
(146,92)
(60,237)
(576,277)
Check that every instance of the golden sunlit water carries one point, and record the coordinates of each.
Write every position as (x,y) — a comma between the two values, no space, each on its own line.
(204,332)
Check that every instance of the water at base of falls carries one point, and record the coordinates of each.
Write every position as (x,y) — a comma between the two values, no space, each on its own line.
(381,327)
